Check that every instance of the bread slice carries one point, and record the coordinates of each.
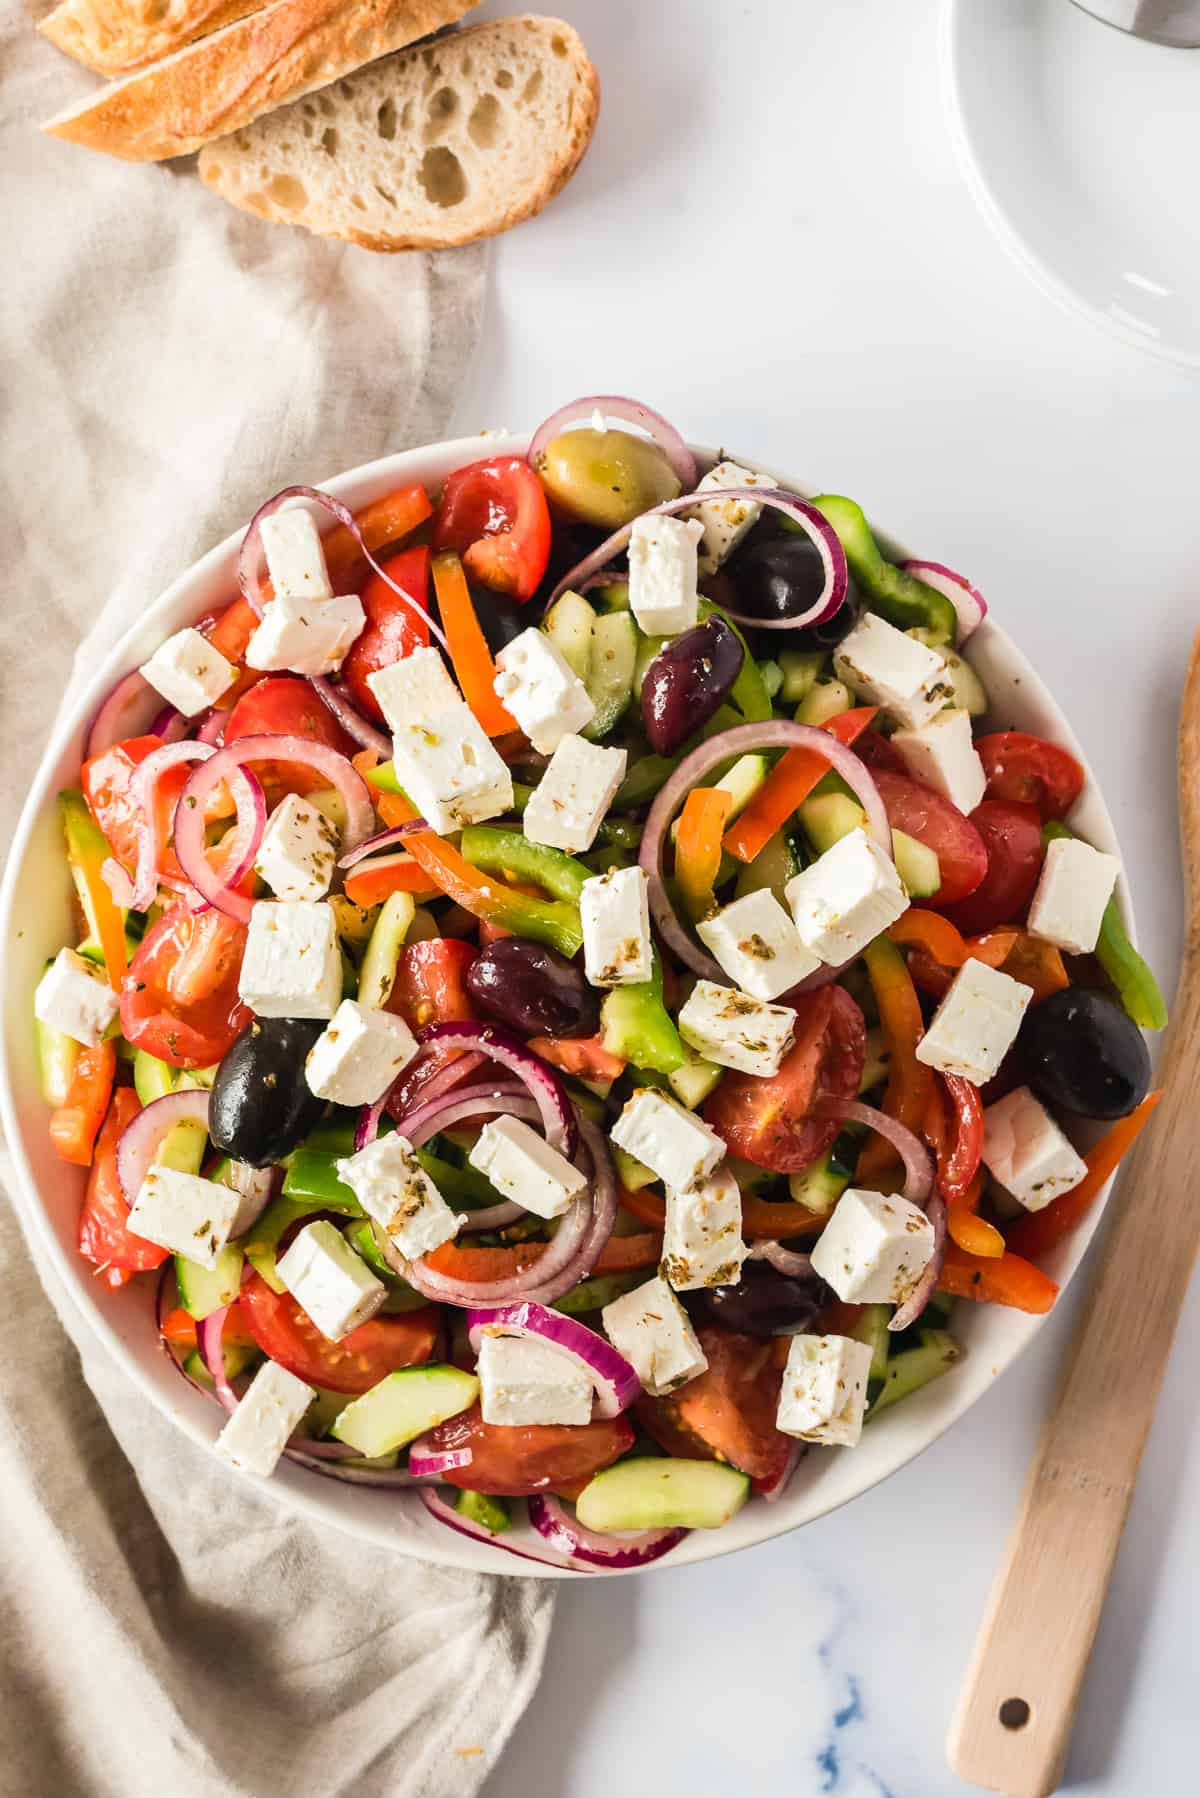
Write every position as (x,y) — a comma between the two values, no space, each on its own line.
(224,81)
(113,36)
(440,145)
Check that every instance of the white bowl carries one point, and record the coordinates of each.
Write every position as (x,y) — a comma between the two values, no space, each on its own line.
(35,920)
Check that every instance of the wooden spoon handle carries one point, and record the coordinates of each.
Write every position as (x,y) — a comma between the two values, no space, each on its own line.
(1017,1708)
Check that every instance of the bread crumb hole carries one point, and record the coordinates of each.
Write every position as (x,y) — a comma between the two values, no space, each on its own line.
(357,200)
(385,195)
(329,141)
(441,176)
(466,65)
(406,116)
(504,78)
(441,109)
(326,104)
(558,45)
(346,91)
(533,87)
(484,122)
(386,120)
(287,192)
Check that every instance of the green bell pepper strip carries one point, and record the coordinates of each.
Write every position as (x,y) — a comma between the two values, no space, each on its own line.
(504,852)
(902,599)
(1136,986)
(313,1176)
(635,1024)
(650,772)
(748,692)
(87,851)
(383,778)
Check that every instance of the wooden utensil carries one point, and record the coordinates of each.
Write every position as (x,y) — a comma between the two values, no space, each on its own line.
(1014,1719)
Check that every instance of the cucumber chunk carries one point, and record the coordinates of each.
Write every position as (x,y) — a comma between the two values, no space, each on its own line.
(57,1054)
(657,1492)
(594,1294)
(152,1078)
(917,865)
(377,974)
(609,679)
(828,817)
(819,1187)
(569,624)
(203,1290)
(693,1082)
(236,1356)
(772,868)
(824,700)
(872,1328)
(632,1174)
(913,1368)
(403,1406)
(492,1513)
(802,669)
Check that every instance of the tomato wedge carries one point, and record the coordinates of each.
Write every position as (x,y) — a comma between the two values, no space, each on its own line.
(495,514)
(430,985)
(393,630)
(1012,839)
(359,1361)
(283,705)
(179,1000)
(104,1234)
(1029,771)
(728,1412)
(921,813)
(512,1461)
(770,1121)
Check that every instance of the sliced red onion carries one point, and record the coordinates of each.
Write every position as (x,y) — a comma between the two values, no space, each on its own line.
(773,1489)
(383,839)
(170,725)
(208,1340)
(118,883)
(231,764)
(778,733)
(817,528)
(785,1261)
(605,1199)
(918,1163)
(451,1107)
(967,600)
(565,1533)
(351,721)
(926,1286)
(554,1272)
(633,412)
(445,1513)
(129,711)
(248,579)
(547,1089)
(425,1462)
(616,1384)
(142,1138)
(428,1078)
(254,1186)
(212,729)
(146,777)
(302,1451)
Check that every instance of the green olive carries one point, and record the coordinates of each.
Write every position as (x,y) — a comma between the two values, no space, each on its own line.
(606,478)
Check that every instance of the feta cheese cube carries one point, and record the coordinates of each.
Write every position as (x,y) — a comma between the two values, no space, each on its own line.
(295,558)
(358,1055)
(392,1187)
(702,1237)
(1075,885)
(188,672)
(450,770)
(539,687)
(673,1143)
(758,946)
(726,521)
(329,1281)
(414,689)
(654,1333)
(663,573)
(305,636)
(298,852)
(183,1213)
(74,997)
(292,965)
(1026,1151)
(824,1390)
(524,1382)
(735,1030)
(942,753)
(874,1248)
(887,668)
(614,910)
(848,895)
(272,1408)
(521,1165)
(570,801)
(976,1023)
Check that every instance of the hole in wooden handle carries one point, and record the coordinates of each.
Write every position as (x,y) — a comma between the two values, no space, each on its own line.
(1014,1713)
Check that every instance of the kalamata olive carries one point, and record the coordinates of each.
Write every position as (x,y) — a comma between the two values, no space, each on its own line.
(1080,1051)
(687,681)
(261,1105)
(766,1303)
(532,989)
(500,620)
(782,577)
(606,478)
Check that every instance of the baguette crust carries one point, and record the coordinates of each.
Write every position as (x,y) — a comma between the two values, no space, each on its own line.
(225,81)
(114,36)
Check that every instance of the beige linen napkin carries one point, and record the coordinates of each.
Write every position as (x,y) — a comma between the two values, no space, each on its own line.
(168,362)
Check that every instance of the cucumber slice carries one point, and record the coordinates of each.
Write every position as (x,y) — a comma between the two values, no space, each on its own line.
(871,1327)
(878,1059)
(612,598)
(966,687)
(594,1294)
(632,1175)
(203,1290)
(199,1079)
(824,700)
(647,649)
(693,1082)
(913,1368)
(609,679)
(152,1078)
(741,782)
(917,866)
(569,624)
(57,1054)
(828,817)
(236,1356)
(772,677)
(802,668)
(354,922)
(819,1187)
(772,868)
(329,802)
(492,1513)
(377,974)
(403,1406)
(661,1493)
(183,1147)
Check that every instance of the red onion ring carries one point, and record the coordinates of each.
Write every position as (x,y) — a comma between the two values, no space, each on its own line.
(129,711)
(777,734)
(351,721)
(230,764)
(428,1463)
(208,1340)
(615,1382)
(547,1089)
(785,1261)
(633,412)
(118,883)
(142,1137)
(926,1286)
(255,1187)
(141,792)
(605,1199)
(452,1107)
(383,839)
(565,1533)
(445,1513)
(170,725)
(778,1485)
(248,554)
(817,528)
(212,729)
(918,1163)
(968,601)
(392,1478)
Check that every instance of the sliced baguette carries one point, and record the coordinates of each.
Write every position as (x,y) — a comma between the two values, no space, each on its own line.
(439,145)
(224,81)
(113,36)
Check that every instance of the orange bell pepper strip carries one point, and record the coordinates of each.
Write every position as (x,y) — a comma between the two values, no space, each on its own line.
(974,1235)
(1038,965)
(910,1083)
(75,1126)
(371,882)
(1001,1280)
(461,1261)
(472,659)
(1045,1229)
(698,847)
(179,1329)
(790,781)
(762,1219)
(230,635)
(946,944)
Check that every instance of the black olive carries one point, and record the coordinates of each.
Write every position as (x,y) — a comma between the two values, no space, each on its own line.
(261,1106)
(687,682)
(533,989)
(782,577)
(767,1303)
(1080,1051)
(499,619)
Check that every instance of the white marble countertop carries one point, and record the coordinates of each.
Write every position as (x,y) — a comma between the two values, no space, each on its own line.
(771,241)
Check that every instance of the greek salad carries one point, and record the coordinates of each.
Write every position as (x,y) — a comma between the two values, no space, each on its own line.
(571,986)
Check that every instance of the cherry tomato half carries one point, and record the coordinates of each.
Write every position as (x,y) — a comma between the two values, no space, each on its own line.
(495,514)
(511,1461)
(106,780)
(728,1412)
(1029,771)
(284,705)
(1012,838)
(393,630)
(179,1000)
(430,985)
(921,813)
(769,1121)
(104,1235)
(359,1361)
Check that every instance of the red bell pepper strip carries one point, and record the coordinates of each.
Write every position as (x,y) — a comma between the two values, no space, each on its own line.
(472,659)
(583,1056)
(959,1154)
(698,847)
(1000,1280)
(76,1124)
(1045,1229)
(790,781)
